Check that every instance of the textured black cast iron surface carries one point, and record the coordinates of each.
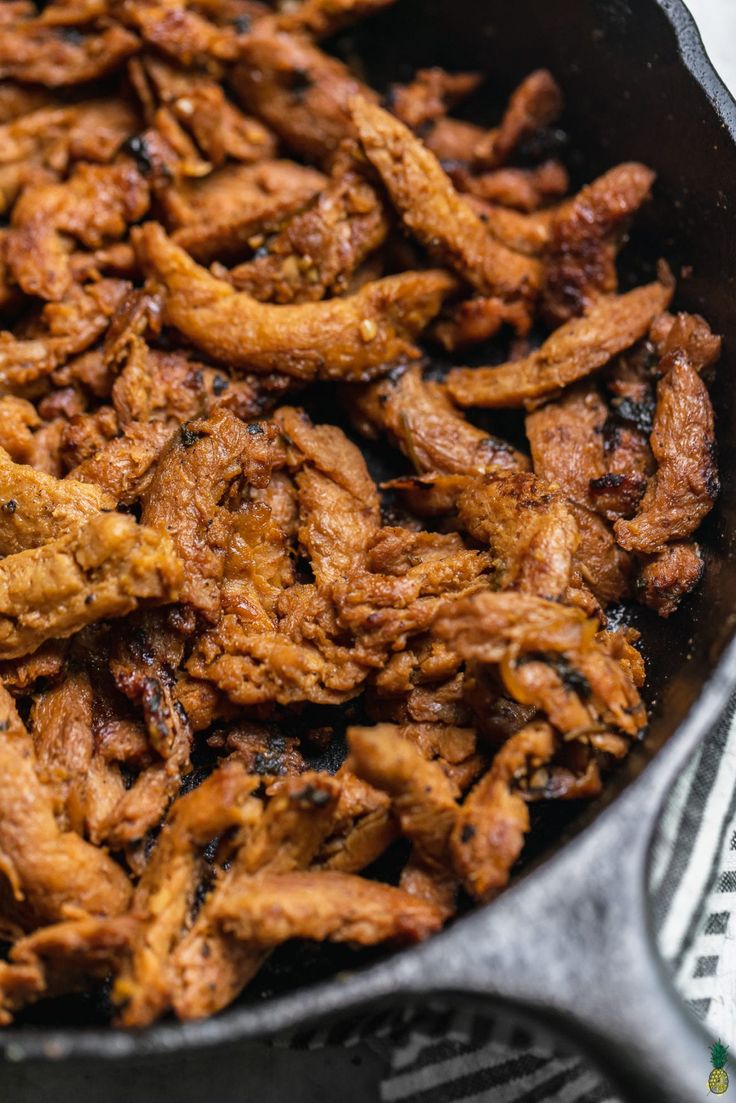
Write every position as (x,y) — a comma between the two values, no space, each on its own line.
(569,943)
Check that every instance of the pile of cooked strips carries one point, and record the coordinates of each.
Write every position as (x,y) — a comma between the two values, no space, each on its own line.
(205,214)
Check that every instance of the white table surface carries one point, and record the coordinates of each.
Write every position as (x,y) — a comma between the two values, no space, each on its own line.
(717,22)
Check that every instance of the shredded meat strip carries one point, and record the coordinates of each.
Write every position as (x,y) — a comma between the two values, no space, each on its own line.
(36,507)
(489,831)
(298,90)
(320,248)
(209,966)
(351,338)
(549,657)
(419,418)
(434,212)
(32,51)
(685,485)
(581,255)
(327,906)
(166,891)
(190,481)
(576,349)
(44,868)
(103,570)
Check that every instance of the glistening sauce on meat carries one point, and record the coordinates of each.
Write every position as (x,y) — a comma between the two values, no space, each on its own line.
(247,694)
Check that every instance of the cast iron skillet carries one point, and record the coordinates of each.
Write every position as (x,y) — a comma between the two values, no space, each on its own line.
(570,942)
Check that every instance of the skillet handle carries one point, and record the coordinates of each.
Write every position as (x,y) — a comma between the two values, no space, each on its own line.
(571,947)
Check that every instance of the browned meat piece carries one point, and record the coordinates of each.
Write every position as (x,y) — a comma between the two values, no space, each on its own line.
(166,892)
(686,333)
(95,205)
(362,829)
(258,565)
(143,664)
(113,260)
(154,385)
(9,294)
(47,869)
(223,12)
(536,103)
(19,985)
(586,232)
(218,216)
(490,827)
(435,436)
(567,444)
(71,327)
(522,189)
(477,319)
(453,142)
(155,392)
(422,797)
(200,105)
(209,967)
(405,577)
(422,685)
(496,715)
(453,748)
(429,96)
(284,645)
(124,466)
(47,662)
(549,657)
(84,434)
(265,750)
(326,906)
(669,576)
(61,727)
(191,479)
(599,564)
(299,91)
(483,628)
(38,148)
(682,491)
(72,954)
(525,233)
(18,419)
(435,213)
(529,528)
(576,779)
(319,249)
(351,338)
(304,660)
(65,13)
(573,351)
(37,508)
(338,501)
(32,51)
(103,570)
(173,28)
(628,457)
(568,447)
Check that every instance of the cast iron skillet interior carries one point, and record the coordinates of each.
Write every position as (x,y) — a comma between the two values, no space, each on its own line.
(637,87)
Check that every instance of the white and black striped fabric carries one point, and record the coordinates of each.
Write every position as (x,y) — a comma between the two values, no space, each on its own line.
(445,1055)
